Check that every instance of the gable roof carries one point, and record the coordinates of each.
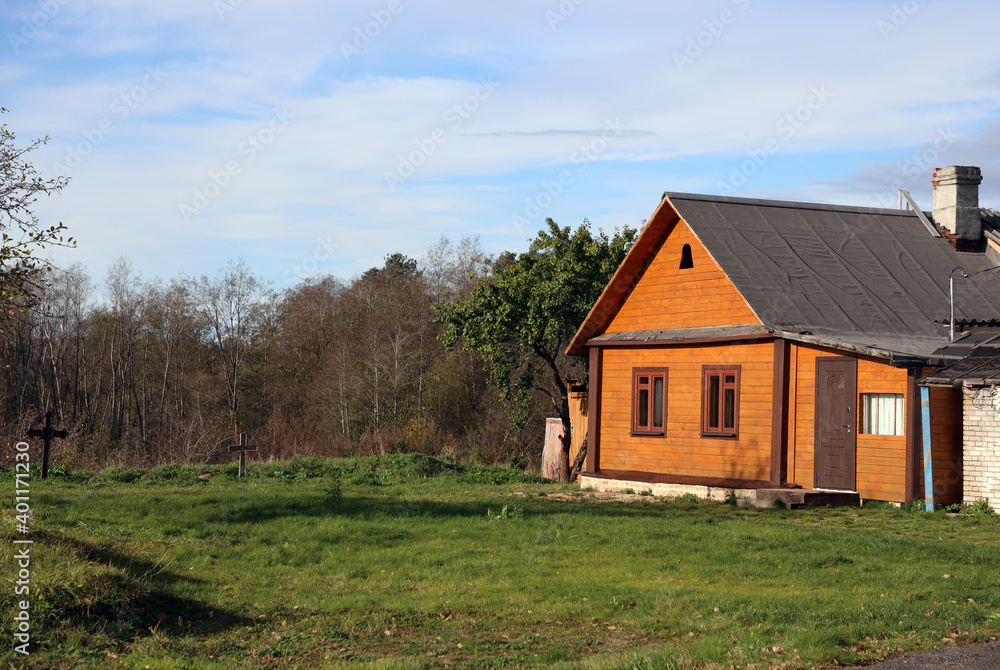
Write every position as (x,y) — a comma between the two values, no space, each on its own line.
(847,276)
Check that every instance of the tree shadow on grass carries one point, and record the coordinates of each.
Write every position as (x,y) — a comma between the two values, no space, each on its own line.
(250,511)
(139,598)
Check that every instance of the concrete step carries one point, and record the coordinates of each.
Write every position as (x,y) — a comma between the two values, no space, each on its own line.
(793,498)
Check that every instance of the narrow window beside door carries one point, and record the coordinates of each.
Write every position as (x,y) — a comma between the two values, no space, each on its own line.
(720,401)
(649,401)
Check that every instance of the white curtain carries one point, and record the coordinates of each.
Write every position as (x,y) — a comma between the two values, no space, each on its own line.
(884,414)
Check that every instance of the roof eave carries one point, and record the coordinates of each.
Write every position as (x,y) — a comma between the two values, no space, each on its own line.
(895,358)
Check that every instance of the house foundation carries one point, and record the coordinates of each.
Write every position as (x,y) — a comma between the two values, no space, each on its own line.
(758,494)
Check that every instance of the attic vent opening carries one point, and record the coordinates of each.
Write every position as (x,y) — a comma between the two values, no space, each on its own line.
(687,262)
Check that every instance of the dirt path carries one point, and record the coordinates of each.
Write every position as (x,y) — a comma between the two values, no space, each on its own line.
(984,656)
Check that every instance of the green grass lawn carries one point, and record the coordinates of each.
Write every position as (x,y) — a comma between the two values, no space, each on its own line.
(408,562)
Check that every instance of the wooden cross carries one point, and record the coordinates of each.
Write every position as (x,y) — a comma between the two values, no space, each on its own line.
(243,448)
(47,434)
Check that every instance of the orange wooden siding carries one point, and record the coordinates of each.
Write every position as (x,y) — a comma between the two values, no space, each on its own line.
(667,297)
(804,393)
(881,459)
(683,451)
(577,420)
(946,442)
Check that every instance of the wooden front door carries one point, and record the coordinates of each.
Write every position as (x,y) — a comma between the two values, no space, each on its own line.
(836,423)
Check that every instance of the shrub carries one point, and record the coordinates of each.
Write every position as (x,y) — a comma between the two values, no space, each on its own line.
(509,511)
(914,506)
(980,508)
(120,475)
(174,473)
(333,494)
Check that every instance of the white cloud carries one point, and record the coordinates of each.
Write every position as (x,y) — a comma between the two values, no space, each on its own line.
(356,119)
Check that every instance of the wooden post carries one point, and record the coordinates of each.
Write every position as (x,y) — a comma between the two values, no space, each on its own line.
(912,484)
(594,410)
(779,414)
(47,434)
(243,448)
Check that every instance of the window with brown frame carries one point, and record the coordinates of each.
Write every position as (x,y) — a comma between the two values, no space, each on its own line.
(720,401)
(883,414)
(649,401)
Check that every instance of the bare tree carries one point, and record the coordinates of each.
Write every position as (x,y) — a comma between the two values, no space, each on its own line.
(231,306)
(173,324)
(127,294)
(452,270)
(60,316)
(72,290)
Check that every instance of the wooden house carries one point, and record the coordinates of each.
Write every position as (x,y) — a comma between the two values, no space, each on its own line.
(773,349)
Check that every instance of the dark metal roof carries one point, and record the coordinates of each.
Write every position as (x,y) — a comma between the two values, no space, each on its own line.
(972,371)
(980,342)
(962,324)
(990,217)
(901,350)
(842,274)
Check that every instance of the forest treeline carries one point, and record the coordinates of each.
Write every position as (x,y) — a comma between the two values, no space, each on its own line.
(145,371)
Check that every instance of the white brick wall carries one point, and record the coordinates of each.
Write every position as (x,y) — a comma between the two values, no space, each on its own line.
(981,453)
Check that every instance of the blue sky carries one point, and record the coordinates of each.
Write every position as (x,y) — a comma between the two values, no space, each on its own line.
(315,137)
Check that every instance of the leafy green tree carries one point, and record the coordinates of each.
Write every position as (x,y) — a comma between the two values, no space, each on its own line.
(521,317)
(22,234)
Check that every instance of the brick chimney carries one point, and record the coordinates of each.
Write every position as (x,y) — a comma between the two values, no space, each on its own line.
(956,202)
